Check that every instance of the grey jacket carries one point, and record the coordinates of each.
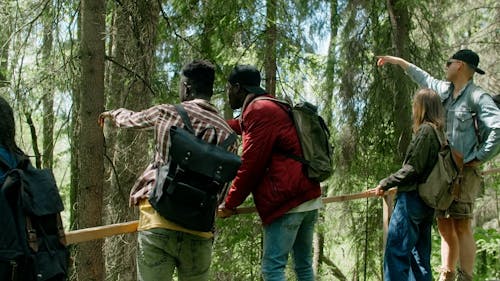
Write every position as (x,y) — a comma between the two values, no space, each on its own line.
(472,100)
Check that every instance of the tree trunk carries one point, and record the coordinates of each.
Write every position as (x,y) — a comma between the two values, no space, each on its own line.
(331,63)
(89,260)
(400,22)
(74,136)
(48,92)
(208,29)
(5,33)
(134,45)
(270,51)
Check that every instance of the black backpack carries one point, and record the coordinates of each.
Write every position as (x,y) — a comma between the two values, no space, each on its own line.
(188,186)
(32,241)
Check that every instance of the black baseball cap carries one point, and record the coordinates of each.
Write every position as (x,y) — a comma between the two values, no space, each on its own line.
(248,77)
(469,57)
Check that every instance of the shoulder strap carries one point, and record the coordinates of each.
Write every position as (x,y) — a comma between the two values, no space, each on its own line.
(442,142)
(284,103)
(184,116)
(458,158)
(187,122)
(228,141)
(272,99)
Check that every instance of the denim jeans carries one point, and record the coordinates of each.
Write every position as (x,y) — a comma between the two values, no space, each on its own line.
(162,250)
(408,248)
(293,232)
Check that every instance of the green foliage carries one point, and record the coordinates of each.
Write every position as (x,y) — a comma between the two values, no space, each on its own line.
(358,100)
(488,247)
(237,248)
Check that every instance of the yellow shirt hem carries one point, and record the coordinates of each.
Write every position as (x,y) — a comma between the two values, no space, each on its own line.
(149,218)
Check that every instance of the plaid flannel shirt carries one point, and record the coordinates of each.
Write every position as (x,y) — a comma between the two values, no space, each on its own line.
(160,118)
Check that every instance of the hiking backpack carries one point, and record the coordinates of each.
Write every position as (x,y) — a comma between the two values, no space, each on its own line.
(32,241)
(314,138)
(442,185)
(188,185)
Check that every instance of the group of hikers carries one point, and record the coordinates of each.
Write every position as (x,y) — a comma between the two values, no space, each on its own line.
(287,200)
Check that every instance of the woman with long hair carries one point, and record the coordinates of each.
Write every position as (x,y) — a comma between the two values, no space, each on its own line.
(408,247)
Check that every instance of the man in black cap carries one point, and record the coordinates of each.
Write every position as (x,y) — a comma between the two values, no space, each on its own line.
(286,199)
(465,104)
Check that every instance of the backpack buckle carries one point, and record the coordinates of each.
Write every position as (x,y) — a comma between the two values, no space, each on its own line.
(32,237)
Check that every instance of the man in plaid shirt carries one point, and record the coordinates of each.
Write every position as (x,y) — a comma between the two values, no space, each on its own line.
(164,245)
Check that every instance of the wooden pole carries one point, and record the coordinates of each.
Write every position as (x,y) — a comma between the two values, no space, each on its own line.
(387,207)
(491,171)
(100,232)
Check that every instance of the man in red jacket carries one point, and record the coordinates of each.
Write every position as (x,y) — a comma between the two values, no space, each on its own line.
(286,200)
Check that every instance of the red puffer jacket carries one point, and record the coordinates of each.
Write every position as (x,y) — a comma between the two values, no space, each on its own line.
(277,182)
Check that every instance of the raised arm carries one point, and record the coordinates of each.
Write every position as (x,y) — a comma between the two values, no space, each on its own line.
(419,76)
(381,60)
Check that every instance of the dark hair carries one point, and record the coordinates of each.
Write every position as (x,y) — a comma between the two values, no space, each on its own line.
(201,75)
(427,107)
(7,126)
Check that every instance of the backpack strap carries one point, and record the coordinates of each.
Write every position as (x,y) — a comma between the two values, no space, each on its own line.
(32,237)
(229,141)
(185,118)
(442,142)
(284,103)
(188,125)
(456,155)
(60,230)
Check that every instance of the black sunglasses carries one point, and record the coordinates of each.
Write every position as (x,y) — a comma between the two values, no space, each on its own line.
(448,63)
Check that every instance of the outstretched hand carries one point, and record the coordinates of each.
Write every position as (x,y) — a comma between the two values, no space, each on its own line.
(223,212)
(381,60)
(102,118)
(377,191)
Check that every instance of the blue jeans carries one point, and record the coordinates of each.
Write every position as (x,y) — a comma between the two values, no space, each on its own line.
(408,248)
(162,250)
(292,232)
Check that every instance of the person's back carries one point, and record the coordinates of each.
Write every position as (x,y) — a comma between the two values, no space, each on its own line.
(466,104)
(163,245)
(269,130)
(286,199)
(408,247)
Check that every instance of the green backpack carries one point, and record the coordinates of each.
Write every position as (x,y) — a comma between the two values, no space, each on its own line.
(314,139)
(443,183)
